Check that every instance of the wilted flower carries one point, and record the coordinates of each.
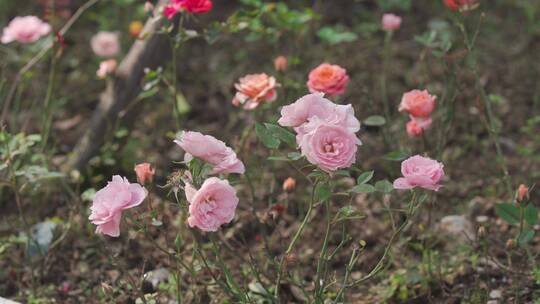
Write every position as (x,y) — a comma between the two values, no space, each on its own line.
(210,150)
(25,29)
(109,203)
(144,172)
(281,63)
(418,103)
(419,171)
(106,67)
(328,78)
(105,44)
(211,206)
(391,22)
(254,89)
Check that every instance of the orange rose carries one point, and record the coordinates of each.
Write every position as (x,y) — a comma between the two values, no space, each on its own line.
(255,89)
(327,78)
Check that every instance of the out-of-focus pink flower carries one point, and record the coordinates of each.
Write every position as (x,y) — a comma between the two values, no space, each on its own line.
(522,193)
(65,287)
(210,150)
(109,203)
(105,44)
(106,67)
(418,103)
(419,171)
(192,6)
(281,63)
(289,184)
(255,89)
(144,172)
(148,7)
(416,126)
(211,206)
(462,5)
(391,22)
(329,146)
(25,29)
(328,78)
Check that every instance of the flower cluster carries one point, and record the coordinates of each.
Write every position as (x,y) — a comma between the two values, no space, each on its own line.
(419,105)
(325,131)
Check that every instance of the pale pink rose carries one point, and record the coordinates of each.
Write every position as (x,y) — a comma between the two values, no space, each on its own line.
(212,205)
(109,203)
(420,172)
(255,89)
(315,105)
(329,146)
(418,103)
(210,150)
(106,67)
(25,29)
(105,44)
(416,126)
(328,78)
(391,22)
(144,172)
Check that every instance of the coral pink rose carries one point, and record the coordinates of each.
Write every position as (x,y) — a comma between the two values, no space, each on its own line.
(329,79)
(255,89)
(106,67)
(25,29)
(391,22)
(416,126)
(111,201)
(329,146)
(144,172)
(192,6)
(210,150)
(418,103)
(420,172)
(212,205)
(462,5)
(105,44)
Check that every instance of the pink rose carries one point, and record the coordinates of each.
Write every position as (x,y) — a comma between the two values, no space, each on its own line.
(255,89)
(212,205)
(329,79)
(281,63)
(25,29)
(391,22)
(105,44)
(106,67)
(418,103)
(416,126)
(210,150)
(420,172)
(327,145)
(144,172)
(111,201)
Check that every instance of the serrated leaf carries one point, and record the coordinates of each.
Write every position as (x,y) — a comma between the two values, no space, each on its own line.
(375,121)
(531,214)
(396,155)
(266,137)
(282,134)
(323,193)
(384,186)
(363,188)
(364,177)
(507,212)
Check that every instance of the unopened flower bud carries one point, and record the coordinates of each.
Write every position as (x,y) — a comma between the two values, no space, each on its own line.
(281,63)
(289,184)
(509,243)
(522,193)
(144,172)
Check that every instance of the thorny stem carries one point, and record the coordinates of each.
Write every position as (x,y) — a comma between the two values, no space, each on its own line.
(295,238)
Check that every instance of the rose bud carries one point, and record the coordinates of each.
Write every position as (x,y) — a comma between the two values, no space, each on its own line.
(289,184)
(281,63)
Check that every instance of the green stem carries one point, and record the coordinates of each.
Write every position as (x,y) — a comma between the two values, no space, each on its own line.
(319,290)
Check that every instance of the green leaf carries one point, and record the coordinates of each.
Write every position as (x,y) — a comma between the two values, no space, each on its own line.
(525,237)
(278,158)
(375,121)
(335,35)
(282,134)
(266,137)
(363,188)
(508,212)
(342,173)
(364,177)
(294,155)
(384,186)
(531,214)
(323,193)
(396,155)
(347,213)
